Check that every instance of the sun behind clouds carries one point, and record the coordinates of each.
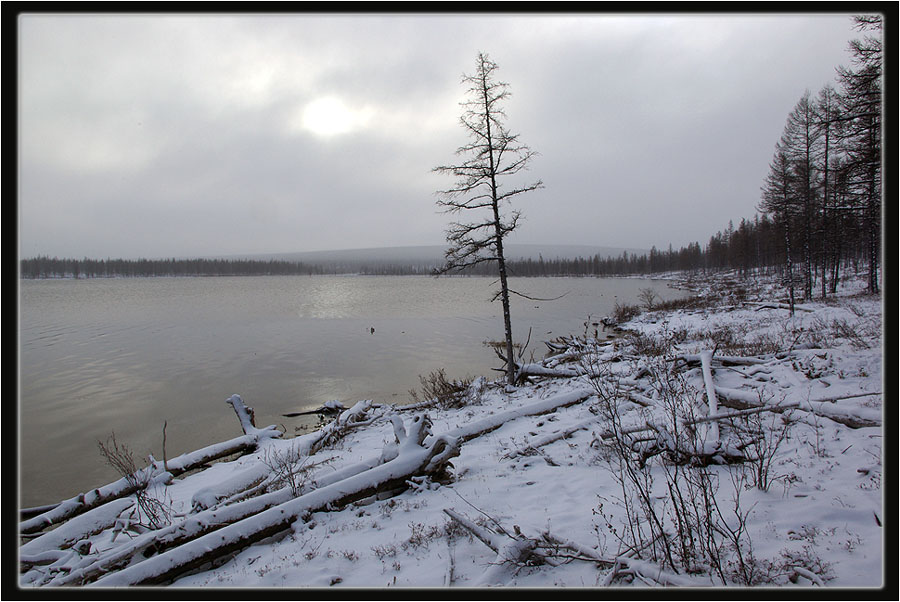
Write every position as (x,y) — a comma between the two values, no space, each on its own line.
(329,116)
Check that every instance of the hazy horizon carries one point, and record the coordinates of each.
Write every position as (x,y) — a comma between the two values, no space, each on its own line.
(403,252)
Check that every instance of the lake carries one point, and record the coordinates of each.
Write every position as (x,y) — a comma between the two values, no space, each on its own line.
(128,355)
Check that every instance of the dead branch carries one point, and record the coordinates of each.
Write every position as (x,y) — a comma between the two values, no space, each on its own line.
(547,439)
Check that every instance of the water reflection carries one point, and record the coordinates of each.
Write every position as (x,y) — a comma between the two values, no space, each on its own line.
(128,355)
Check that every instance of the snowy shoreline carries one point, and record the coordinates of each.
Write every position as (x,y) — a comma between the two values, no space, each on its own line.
(529,487)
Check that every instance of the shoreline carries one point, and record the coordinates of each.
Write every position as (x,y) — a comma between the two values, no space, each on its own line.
(834,368)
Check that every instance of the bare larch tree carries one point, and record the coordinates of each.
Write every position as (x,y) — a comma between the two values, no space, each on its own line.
(492,155)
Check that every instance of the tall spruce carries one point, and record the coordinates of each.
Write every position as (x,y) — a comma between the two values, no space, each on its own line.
(492,155)
(778,200)
(862,106)
(827,117)
(800,143)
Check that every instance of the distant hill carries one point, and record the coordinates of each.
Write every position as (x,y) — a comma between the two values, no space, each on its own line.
(433,256)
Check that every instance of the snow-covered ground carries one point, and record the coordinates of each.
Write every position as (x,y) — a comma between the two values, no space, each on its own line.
(599,472)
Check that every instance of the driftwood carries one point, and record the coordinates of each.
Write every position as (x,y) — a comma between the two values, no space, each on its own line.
(26,513)
(69,534)
(533,446)
(210,534)
(515,549)
(331,407)
(712,402)
(414,459)
(149,475)
(695,359)
(858,418)
(476,429)
(835,398)
(236,508)
(195,526)
(786,306)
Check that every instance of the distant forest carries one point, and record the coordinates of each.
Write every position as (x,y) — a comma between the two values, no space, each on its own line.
(753,246)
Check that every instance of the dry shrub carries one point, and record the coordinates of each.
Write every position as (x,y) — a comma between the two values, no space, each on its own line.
(444,393)
(624,312)
(151,512)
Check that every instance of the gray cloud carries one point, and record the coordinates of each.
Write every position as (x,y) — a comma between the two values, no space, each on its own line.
(181,135)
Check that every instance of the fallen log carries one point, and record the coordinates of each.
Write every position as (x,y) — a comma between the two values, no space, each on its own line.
(330,407)
(836,398)
(712,402)
(95,498)
(760,305)
(413,459)
(510,550)
(26,513)
(200,524)
(857,418)
(204,527)
(67,535)
(224,489)
(548,439)
(150,475)
(540,370)
(476,429)
(695,359)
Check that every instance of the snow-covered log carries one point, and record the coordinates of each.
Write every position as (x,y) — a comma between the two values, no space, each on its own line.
(470,431)
(26,513)
(487,537)
(203,522)
(412,460)
(550,438)
(67,535)
(855,418)
(694,359)
(511,551)
(363,413)
(762,305)
(835,398)
(540,370)
(240,481)
(514,553)
(245,416)
(712,402)
(94,498)
(329,407)
(155,473)
(648,573)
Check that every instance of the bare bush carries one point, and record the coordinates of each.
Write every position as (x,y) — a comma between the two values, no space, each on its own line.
(288,469)
(649,345)
(649,298)
(152,513)
(444,393)
(672,511)
(622,312)
(694,302)
(761,437)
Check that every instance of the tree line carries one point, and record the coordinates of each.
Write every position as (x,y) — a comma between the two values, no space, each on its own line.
(46,267)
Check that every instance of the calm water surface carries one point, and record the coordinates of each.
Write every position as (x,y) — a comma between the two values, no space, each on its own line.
(125,356)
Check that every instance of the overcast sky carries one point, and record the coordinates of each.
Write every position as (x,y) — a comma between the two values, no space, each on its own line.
(197,135)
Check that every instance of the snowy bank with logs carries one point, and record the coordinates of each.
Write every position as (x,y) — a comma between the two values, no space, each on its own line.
(526,486)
